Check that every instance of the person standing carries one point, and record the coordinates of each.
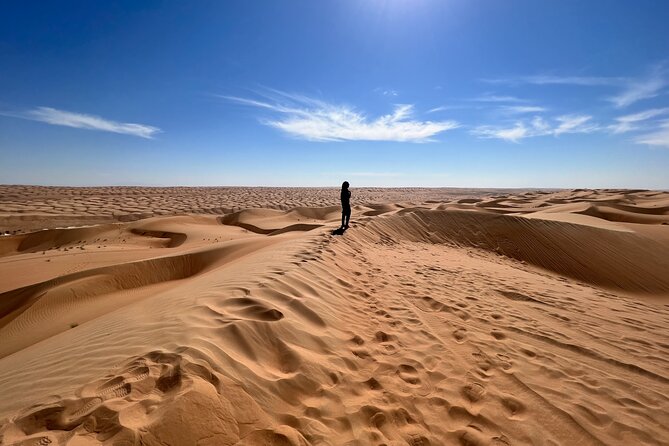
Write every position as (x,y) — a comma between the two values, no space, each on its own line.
(345,205)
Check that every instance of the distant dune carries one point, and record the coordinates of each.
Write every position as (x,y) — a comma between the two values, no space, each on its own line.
(233,316)
(28,208)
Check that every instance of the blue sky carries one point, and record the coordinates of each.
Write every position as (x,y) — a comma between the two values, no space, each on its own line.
(516,93)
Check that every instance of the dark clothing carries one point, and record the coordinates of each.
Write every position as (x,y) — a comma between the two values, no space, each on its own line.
(345,207)
(345,215)
(345,198)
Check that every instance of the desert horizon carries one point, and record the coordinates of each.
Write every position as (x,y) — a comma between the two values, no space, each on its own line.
(21,203)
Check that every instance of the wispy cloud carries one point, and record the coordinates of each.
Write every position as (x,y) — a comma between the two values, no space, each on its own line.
(631,89)
(386,91)
(497,98)
(574,124)
(586,81)
(538,127)
(642,88)
(628,123)
(511,134)
(449,107)
(493,101)
(315,120)
(557,80)
(519,109)
(505,103)
(83,121)
(659,137)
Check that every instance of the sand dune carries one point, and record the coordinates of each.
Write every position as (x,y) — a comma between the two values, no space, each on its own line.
(616,259)
(28,208)
(447,318)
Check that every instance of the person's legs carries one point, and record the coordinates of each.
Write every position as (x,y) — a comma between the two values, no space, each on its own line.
(348,216)
(343,217)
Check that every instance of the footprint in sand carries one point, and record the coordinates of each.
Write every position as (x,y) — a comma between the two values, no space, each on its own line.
(513,407)
(382,337)
(408,374)
(500,336)
(460,334)
(373,384)
(386,342)
(473,391)
(39,441)
(91,413)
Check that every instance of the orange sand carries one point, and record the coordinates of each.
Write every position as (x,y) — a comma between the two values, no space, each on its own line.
(440,317)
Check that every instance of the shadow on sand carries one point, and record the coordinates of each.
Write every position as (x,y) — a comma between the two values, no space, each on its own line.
(339,231)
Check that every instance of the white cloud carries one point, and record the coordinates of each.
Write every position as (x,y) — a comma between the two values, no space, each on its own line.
(512,134)
(643,88)
(497,98)
(540,125)
(82,121)
(659,137)
(557,80)
(316,120)
(386,91)
(448,107)
(632,89)
(499,102)
(587,81)
(537,127)
(519,109)
(574,124)
(627,123)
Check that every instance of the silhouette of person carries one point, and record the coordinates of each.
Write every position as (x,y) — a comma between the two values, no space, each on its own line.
(345,205)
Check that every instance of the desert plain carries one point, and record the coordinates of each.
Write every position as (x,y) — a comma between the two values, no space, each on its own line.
(234,316)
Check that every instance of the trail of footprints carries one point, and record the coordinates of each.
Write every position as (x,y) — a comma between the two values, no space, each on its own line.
(397,314)
(416,379)
(95,410)
(466,316)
